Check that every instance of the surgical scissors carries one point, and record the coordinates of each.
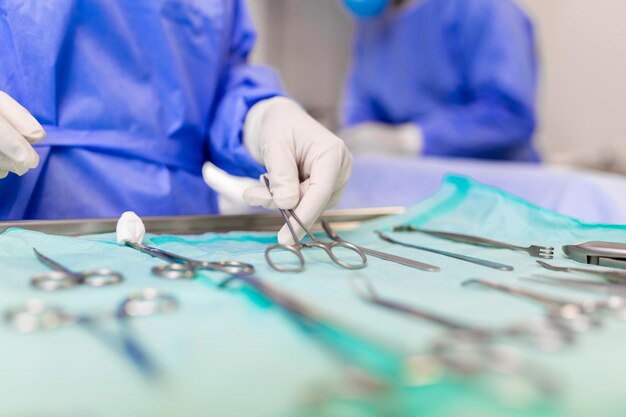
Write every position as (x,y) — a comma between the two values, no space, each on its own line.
(297,247)
(35,315)
(180,267)
(60,277)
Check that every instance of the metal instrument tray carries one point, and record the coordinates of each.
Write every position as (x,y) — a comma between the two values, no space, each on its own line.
(341,219)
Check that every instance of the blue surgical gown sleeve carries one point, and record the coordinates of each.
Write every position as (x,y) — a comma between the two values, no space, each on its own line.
(496,48)
(242,85)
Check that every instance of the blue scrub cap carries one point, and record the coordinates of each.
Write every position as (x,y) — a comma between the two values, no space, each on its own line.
(366,9)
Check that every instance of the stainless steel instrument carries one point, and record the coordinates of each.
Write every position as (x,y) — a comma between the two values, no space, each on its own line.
(471,259)
(61,277)
(382,255)
(546,252)
(611,254)
(573,315)
(297,247)
(610,275)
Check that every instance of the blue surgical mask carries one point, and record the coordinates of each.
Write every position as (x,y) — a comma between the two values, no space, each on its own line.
(366,9)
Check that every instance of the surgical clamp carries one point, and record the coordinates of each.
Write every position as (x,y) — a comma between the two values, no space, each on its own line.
(573,315)
(297,246)
(543,336)
(382,255)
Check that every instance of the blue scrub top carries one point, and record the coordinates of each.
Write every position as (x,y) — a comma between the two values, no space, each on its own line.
(465,71)
(135,95)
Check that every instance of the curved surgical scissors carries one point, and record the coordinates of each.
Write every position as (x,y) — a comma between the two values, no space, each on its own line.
(34,315)
(297,247)
(180,267)
(60,277)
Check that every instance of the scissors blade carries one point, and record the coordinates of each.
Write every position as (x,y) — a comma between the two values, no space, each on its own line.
(52,264)
(157,253)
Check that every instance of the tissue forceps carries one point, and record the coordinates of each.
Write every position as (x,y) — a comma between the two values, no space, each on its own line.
(382,255)
(180,267)
(60,277)
(34,315)
(297,247)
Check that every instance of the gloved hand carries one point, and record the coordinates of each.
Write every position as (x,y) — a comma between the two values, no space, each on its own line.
(18,131)
(383,139)
(307,165)
(229,189)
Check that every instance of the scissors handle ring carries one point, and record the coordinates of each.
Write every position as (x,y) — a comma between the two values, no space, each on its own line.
(101,277)
(288,248)
(147,302)
(230,267)
(35,315)
(329,247)
(55,280)
(174,271)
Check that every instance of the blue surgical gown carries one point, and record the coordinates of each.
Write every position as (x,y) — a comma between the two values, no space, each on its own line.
(135,95)
(464,70)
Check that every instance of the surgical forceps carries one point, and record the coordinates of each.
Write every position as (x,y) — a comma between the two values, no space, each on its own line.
(572,315)
(60,277)
(542,336)
(382,255)
(477,261)
(546,252)
(297,247)
(35,315)
(180,267)
(614,276)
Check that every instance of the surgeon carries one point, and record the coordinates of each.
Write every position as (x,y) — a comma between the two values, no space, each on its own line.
(133,97)
(452,78)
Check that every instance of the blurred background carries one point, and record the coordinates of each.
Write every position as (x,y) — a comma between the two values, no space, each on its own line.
(582,116)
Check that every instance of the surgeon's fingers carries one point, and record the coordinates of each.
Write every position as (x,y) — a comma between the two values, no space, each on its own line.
(259,195)
(3,173)
(20,119)
(326,173)
(279,156)
(17,155)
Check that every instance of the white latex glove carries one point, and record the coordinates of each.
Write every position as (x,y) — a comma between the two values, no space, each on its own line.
(229,189)
(307,165)
(18,131)
(383,139)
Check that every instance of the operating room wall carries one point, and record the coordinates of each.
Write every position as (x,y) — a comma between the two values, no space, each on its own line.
(582,48)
